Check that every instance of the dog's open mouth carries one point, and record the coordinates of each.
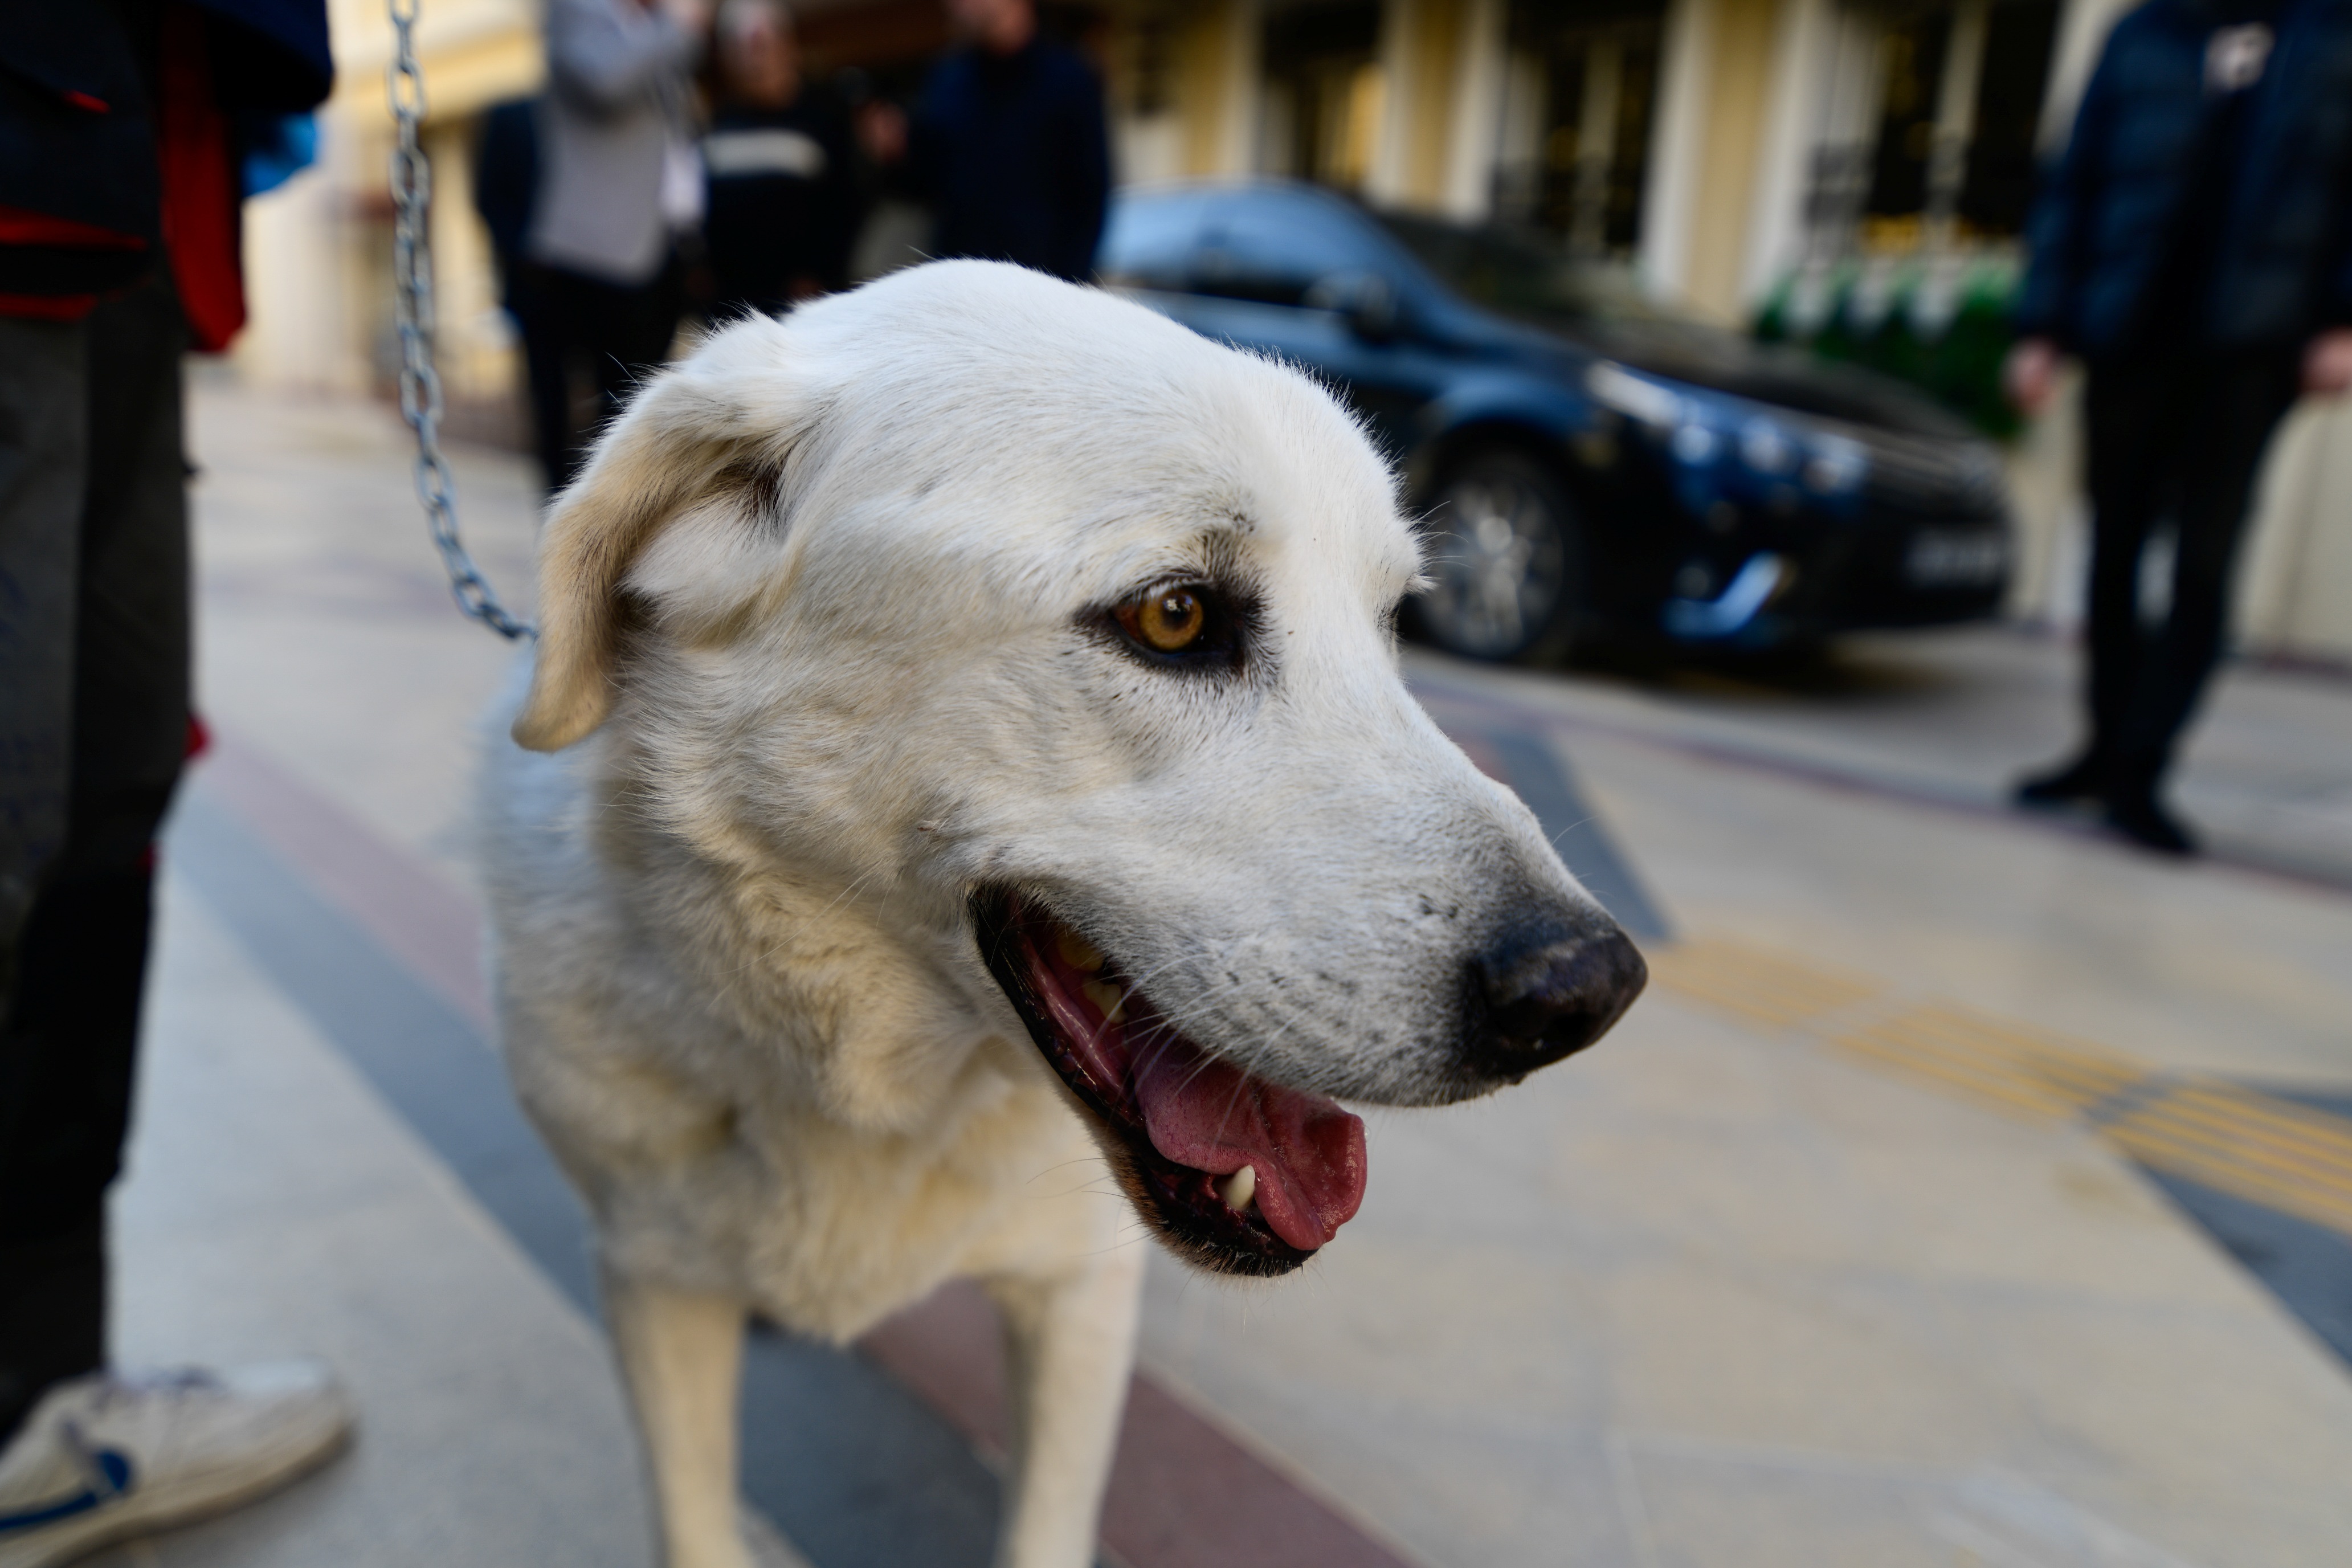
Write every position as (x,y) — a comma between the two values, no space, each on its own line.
(1240,1174)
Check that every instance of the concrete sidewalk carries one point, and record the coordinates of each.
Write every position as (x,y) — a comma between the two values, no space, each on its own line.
(1724,1292)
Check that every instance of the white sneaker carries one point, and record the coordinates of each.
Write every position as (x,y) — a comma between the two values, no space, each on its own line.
(107,1457)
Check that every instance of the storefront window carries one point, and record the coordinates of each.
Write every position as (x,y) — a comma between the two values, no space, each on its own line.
(1581,88)
(1999,185)
(1325,93)
(1960,101)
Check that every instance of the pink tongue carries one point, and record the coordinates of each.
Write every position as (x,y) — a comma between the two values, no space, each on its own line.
(1308,1154)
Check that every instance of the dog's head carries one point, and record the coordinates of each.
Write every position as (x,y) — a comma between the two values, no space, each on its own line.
(1066,637)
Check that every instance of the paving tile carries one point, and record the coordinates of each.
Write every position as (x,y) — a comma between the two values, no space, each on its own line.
(1713,1507)
(275,1207)
(2205,1404)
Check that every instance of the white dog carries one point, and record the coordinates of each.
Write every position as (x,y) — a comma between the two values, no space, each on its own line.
(980,755)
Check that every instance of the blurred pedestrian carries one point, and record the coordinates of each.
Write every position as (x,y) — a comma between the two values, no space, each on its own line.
(784,193)
(1009,145)
(2194,247)
(506,188)
(618,182)
(115,134)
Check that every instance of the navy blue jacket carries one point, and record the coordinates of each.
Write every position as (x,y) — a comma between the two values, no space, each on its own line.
(2105,221)
(76,142)
(1014,154)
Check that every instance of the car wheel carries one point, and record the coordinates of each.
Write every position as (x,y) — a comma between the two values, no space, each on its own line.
(1502,558)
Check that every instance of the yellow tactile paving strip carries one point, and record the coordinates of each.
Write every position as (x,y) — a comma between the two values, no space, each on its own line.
(2238,1141)
(1760,986)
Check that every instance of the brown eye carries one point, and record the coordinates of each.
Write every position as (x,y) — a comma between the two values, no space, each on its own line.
(1166,619)
(1197,626)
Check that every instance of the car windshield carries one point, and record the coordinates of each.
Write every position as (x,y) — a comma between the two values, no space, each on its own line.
(1520,276)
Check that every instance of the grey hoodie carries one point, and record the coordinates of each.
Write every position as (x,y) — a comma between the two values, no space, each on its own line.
(617,106)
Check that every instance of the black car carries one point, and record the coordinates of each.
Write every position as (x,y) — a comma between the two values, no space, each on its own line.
(1584,460)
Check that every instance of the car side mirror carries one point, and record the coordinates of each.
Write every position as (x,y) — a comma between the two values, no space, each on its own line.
(1366,299)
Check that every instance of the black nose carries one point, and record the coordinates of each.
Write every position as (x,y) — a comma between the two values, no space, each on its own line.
(1535,1005)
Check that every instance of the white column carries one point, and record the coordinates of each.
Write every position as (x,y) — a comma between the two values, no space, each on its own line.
(1474,138)
(1384,181)
(1244,84)
(1797,122)
(1677,138)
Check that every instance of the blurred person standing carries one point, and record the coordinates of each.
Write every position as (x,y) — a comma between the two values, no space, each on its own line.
(123,128)
(783,200)
(1009,145)
(2194,247)
(506,188)
(618,182)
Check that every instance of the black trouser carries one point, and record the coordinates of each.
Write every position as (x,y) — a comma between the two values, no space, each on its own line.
(2178,439)
(93,726)
(620,334)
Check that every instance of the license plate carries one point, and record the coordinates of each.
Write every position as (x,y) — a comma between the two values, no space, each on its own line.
(1949,560)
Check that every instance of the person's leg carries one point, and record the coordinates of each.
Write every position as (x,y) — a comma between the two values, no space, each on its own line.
(52,1274)
(2242,399)
(192,1443)
(72,1026)
(540,307)
(637,327)
(44,423)
(2127,412)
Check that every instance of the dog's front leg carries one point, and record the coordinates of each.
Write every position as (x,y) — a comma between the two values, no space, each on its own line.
(682,1356)
(1070,1343)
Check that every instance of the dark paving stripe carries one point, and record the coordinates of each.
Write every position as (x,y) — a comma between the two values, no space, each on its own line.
(1527,764)
(2308,1267)
(866,1460)
(1576,830)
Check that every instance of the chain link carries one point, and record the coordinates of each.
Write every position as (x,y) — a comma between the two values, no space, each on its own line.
(411,280)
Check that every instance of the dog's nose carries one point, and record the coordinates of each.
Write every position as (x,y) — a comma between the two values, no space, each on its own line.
(1544,1002)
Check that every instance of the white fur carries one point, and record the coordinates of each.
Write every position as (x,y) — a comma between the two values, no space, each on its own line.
(817,664)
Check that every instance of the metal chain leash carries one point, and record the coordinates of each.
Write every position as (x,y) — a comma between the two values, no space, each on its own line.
(420,384)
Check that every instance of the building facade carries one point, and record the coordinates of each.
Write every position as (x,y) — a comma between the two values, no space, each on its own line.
(1713,148)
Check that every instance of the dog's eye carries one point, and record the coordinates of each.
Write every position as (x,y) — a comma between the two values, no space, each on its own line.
(1192,626)
(1166,620)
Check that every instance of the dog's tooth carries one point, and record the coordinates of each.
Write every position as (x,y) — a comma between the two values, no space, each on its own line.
(1109,998)
(1076,950)
(1240,1189)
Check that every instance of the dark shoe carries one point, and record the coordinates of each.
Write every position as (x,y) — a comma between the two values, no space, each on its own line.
(2138,819)
(2079,783)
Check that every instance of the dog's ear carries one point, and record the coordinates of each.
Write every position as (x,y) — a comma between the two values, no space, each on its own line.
(725,419)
